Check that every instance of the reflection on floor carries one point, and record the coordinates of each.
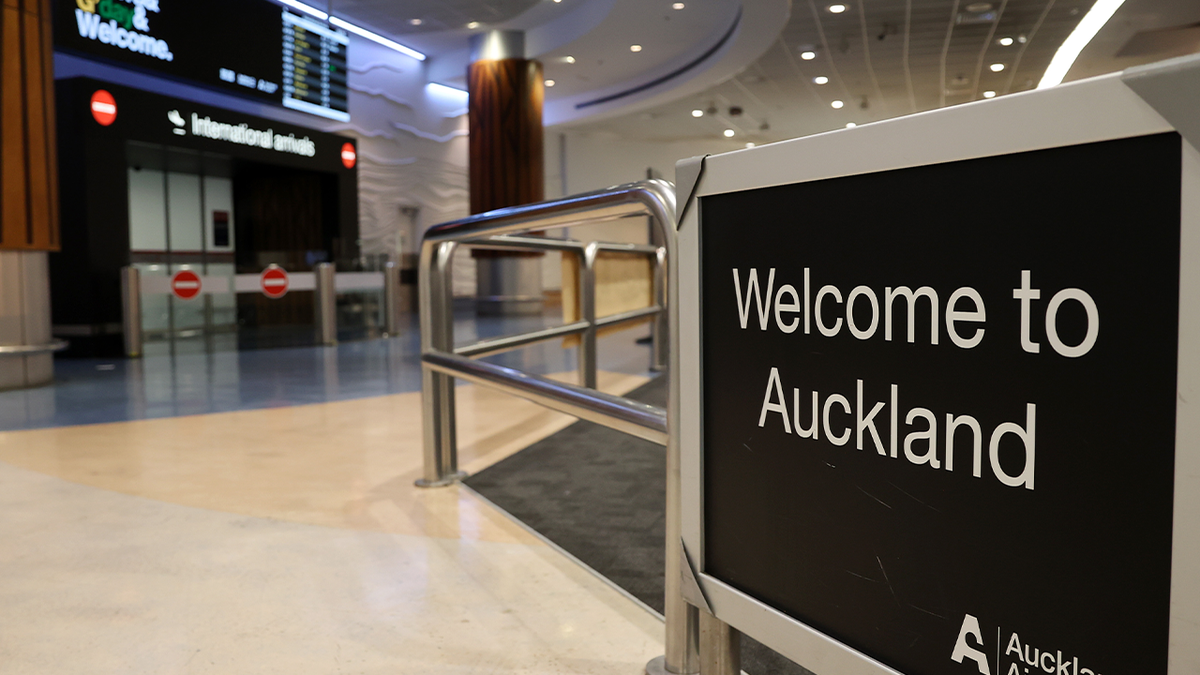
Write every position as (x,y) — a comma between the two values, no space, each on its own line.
(280,532)
(187,377)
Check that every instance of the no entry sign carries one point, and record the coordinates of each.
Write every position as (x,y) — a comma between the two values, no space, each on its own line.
(185,284)
(947,443)
(274,282)
(103,107)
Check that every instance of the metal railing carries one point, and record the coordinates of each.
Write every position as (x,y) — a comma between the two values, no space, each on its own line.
(441,362)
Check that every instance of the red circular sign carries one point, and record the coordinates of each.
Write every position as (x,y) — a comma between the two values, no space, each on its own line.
(104,107)
(349,155)
(185,284)
(274,282)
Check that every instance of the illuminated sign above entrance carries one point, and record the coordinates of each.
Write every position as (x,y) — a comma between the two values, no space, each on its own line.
(233,45)
(152,118)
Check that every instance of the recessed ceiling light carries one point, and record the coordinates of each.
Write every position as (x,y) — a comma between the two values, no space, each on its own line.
(549,83)
(729,133)
(635,48)
(473,25)
(1022,39)
(750,145)
(808,56)
(1005,41)
(850,125)
(569,59)
(979,7)
(996,67)
(837,105)
(989,94)
(821,79)
(415,22)
(836,9)
(697,113)
(678,5)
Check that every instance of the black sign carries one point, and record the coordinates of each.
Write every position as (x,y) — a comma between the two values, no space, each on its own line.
(132,114)
(939,407)
(250,47)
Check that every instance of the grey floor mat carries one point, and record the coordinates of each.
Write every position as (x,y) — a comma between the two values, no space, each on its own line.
(600,495)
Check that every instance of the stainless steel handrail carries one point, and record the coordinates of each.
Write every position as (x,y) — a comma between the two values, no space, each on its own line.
(637,419)
(508,342)
(442,362)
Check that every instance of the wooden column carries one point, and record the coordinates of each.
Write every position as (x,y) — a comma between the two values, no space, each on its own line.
(28,166)
(507,164)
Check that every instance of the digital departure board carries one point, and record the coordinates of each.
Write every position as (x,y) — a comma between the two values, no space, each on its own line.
(314,66)
(233,45)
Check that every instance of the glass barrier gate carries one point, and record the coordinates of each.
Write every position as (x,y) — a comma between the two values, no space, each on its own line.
(188,302)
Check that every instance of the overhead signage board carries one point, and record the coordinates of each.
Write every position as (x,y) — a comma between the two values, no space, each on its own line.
(933,434)
(132,114)
(233,45)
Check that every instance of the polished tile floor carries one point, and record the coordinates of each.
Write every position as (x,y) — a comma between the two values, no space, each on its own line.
(185,378)
(254,512)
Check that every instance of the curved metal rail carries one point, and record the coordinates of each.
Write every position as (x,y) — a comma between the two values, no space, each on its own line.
(442,362)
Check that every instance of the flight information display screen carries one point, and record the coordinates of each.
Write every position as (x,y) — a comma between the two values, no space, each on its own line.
(254,48)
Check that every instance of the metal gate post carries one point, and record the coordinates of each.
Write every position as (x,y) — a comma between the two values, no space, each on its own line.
(391,298)
(587,310)
(326,304)
(659,341)
(131,311)
(437,389)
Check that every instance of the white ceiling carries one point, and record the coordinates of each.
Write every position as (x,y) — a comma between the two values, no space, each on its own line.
(882,57)
(886,58)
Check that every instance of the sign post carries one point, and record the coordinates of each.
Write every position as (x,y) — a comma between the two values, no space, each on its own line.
(923,441)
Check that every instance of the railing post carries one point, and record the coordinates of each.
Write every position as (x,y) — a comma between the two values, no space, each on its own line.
(437,389)
(659,341)
(391,298)
(682,619)
(131,311)
(720,647)
(587,311)
(326,304)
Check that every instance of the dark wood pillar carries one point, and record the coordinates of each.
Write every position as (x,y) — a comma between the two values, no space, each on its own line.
(506,162)
(28,167)
(28,191)
(506,133)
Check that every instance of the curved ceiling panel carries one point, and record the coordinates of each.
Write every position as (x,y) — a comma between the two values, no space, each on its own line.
(681,51)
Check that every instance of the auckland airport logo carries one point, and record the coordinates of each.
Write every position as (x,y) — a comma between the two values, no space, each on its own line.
(1012,655)
(122,23)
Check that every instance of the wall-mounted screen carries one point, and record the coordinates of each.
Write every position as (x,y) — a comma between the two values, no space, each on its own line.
(254,48)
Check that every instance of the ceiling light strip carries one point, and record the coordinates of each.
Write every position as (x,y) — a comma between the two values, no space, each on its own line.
(1079,38)
(357,30)
(737,20)
(447,89)
(305,8)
